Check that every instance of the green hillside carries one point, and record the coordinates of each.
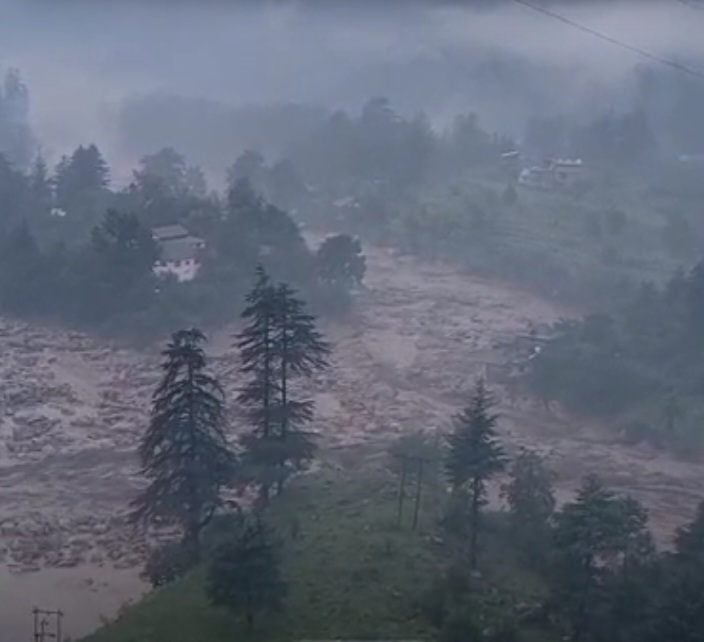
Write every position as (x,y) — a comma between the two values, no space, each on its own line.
(352,573)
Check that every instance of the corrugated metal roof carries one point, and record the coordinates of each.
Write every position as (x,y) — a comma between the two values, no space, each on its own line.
(168,232)
(180,249)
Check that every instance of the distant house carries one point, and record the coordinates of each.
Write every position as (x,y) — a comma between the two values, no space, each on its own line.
(567,173)
(692,158)
(178,252)
(346,202)
(536,177)
(555,174)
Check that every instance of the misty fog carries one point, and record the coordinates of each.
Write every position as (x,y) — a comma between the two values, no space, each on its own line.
(85,63)
(243,241)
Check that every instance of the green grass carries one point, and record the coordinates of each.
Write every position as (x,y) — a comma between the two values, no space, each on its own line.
(551,229)
(352,573)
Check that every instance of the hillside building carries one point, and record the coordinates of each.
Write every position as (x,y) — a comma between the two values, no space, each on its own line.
(179,252)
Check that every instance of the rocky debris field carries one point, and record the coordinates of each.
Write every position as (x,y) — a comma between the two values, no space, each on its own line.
(72,410)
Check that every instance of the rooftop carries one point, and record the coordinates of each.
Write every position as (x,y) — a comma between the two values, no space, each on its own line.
(180,249)
(169,232)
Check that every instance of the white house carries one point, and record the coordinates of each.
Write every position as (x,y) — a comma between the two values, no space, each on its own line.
(178,252)
(555,174)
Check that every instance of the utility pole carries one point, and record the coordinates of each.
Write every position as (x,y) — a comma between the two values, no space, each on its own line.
(402,490)
(47,625)
(406,470)
(419,485)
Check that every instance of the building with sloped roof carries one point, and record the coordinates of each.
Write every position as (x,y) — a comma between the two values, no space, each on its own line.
(179,252)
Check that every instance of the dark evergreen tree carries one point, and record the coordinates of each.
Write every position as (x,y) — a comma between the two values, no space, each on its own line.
(85,171)
(22,271)
(40,182)
(279,345)
(16,140)
(80,190)
(259,396)
(249,166)
(340,260)
(301,351)
(531,499)
(474,456)
(184,452)
(690,539)
(285,187)
(167,168)
(118,266)
(124,249)
(598,539)
(244,575)
(12,190)
(679,611)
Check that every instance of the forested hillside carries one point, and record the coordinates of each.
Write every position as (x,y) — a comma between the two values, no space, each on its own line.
(257,517)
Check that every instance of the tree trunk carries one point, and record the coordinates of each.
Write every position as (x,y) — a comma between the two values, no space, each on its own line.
(264,495)
(401,491)
(284,401)
(474,534)
(266,401)
(419,486)
(191,540)
(192,534)
(250,610)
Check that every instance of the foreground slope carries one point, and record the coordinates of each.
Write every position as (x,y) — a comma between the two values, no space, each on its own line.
(352,572)
(73,410)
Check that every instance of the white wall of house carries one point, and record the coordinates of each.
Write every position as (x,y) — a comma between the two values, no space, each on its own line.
(185,270)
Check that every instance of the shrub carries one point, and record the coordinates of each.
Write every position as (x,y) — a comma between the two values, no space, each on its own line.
(168,563)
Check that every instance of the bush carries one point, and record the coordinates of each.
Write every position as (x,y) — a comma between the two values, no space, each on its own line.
(168,563)
(223,528)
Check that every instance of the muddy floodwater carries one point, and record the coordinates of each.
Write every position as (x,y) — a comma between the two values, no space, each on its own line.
(72,410)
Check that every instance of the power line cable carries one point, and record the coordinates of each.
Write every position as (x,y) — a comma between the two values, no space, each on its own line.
(624,45)
(693,4)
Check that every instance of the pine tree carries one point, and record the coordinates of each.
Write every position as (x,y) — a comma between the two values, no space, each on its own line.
(474,456)
(40,182)
(184,452)
(690,539)
(85,171)
(245,573)
(679,611)
(531,499)
(279,345)
(597,539)
(301,351)
(259,396)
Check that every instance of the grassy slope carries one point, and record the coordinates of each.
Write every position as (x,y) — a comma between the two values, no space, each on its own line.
(352,574)
(555,225)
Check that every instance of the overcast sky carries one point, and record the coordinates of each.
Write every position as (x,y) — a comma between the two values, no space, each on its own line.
(81,59)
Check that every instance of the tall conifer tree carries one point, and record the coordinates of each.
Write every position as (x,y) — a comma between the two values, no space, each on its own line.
(301,351)
(184,451)
(474,456)
(279,344)
(259,396)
